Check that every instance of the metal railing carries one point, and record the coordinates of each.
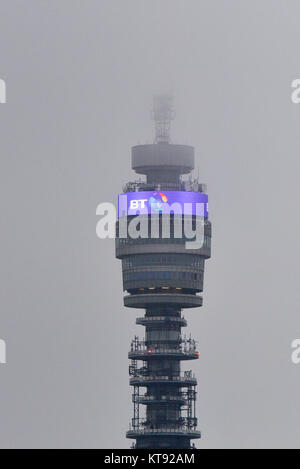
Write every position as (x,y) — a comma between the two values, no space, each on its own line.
(145,398)
(165,351)
(161,319)
(188,186)
(143,431)
(186,346)
(186,376)
(137,186)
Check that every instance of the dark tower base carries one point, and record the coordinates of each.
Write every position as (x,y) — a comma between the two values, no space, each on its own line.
(163,442)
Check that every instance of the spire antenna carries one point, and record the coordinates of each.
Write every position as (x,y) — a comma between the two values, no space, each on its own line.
(163,113)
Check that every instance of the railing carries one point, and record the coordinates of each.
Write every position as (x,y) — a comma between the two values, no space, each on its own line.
(187,346)
(145,431)
(162,398)
(137,186)
(182,378)
(160,318)
(189,186)
(166,351)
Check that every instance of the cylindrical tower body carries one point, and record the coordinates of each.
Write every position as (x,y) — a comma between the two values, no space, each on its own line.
(162,276)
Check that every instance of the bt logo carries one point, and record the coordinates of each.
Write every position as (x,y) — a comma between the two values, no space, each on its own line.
(156,202)
(136,204)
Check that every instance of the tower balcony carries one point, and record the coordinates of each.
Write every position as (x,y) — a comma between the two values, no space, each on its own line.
(182,423)
(180,300)
(189,185)
(182,380)
(150,399)
(142,350)
(150,353)
(175,431)
(161,320)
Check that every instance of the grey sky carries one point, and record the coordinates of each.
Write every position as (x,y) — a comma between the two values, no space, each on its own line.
(80,78)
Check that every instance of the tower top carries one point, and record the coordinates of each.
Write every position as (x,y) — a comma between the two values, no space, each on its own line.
(163,113)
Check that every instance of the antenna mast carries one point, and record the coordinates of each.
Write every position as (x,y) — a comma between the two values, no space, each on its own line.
(163,113)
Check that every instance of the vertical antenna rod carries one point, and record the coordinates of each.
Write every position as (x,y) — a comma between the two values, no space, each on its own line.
(163,113)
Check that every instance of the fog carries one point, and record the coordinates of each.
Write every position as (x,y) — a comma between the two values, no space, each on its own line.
(80,77)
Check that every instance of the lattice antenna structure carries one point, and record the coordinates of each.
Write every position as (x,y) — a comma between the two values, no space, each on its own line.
(163,113)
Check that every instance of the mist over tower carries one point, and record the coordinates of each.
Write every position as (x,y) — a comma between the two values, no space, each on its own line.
(162,276)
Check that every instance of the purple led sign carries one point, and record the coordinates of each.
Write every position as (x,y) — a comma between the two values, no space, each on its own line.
(177,202)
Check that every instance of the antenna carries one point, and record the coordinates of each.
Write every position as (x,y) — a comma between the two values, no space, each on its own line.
(163,113)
